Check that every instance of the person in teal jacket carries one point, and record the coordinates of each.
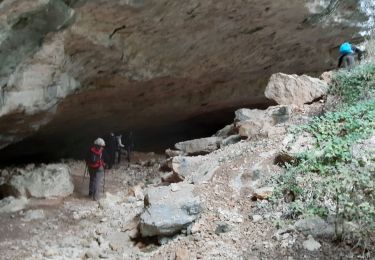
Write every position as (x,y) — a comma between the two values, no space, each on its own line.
(348,52)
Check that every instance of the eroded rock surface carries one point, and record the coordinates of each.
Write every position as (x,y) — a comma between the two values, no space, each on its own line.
(135,64)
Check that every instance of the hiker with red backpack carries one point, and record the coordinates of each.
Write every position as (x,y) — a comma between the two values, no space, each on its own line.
(348,52)
(95,164)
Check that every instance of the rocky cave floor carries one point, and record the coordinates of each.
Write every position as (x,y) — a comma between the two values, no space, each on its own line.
(232,225)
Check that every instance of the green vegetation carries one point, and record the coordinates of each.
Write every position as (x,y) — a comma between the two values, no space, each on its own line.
(356,85)
(337,178)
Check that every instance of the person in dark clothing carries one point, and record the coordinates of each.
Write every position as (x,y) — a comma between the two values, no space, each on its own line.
(119,147)
(111,149)
(348,52)
(95,165)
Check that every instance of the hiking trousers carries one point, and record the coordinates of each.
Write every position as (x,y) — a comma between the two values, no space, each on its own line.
(349,61)
(96,180)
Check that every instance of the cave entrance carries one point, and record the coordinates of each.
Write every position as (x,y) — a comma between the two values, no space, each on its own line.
(74,141)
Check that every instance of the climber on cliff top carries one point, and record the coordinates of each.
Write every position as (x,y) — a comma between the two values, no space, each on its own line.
(348,52)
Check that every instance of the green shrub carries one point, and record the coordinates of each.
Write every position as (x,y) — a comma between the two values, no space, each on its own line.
(357,84)
(329,180)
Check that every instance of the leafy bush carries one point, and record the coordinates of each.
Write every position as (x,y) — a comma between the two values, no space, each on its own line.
(330,180)
(357,84)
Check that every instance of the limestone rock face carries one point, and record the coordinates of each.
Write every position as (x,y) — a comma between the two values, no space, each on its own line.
(44,182)
(169,209)
(294,90)
(83,68)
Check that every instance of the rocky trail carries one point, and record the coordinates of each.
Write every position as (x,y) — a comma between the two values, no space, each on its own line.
(236,220)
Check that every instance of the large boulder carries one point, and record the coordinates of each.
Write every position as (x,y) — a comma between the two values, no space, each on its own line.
(194,169)
(12,204)
(294,90)
(254,123)
(51,180)
(199,146)
(169,209)
(184,166)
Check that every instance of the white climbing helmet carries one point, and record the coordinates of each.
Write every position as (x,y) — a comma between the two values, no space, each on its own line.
(99,141)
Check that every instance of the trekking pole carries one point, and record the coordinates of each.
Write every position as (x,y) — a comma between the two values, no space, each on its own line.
(84,175)
(104,182)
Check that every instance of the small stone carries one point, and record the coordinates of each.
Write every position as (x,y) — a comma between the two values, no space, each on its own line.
(174,187)
(92,253)
(33,215)
(182,254)
(50,252)
(311,244)
(257,218)
(222,228)
(103,255)
(263,193)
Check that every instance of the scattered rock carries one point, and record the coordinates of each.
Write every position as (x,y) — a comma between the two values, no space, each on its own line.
(12,204)
(137,192)
(257,218)
(226,131)
(109,201)
(230,215)
(184,166)
(173,153)
(50,252)
(232,139)
(118,240)
(33,215)
(292,89)
(315,226)
(364,152)
(327,77)
(222,227)
(182,253)
(196,169)
(199,146)
(294,145)
(167,212)
(47,181)
(263,193)
(255,123)
(92,253)
(311,244)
